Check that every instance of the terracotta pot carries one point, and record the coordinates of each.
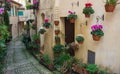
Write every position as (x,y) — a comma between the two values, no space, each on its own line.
(109,8)
(56,23)
(80,42)
(72,20)
(47,27)
(87,15)
(57,32)
(84,71)
(96,38)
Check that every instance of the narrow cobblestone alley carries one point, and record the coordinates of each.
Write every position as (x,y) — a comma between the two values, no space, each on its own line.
(19,61)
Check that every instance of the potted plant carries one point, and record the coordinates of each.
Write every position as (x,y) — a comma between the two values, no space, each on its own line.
(34,25)
(57,39)
(56,22)
(92,68)
(74,46)
(88,10)
(57,49)
(36,38)
(110,5)
(80,39)
(42,31)
(97,32)
(29,6)
(46,24)
(72,16)
(57,31)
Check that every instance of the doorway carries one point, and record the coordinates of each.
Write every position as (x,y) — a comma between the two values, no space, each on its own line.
(69,34)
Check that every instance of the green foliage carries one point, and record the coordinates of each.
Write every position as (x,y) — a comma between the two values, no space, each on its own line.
(46,24)
(88,10)
(42,31)
(70,16)
(6,18)
(34,27)
(98,32)
(111,2)
(26,27)
(80,38)
(26,39)
(35,37)
(60,60)
(46,59)
(58,48)
(29,6)
(92,68)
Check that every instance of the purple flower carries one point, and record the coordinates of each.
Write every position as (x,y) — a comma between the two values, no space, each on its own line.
(92,27)
(35,1)
(1,10)
(46,20)
(70,12)
(100,26)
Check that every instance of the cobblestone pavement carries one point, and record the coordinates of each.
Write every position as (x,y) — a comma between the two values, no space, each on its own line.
(19,61)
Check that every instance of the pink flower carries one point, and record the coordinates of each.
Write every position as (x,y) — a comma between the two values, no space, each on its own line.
(8,0)
(100,26)
(35,1)
(70,12)
(96,27)
(1,10)
(46,20)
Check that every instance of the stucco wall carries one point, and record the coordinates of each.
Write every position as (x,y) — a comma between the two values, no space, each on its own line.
(14,22)
(107,49)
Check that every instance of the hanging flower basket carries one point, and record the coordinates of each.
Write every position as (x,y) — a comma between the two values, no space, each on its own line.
(46,23)
(97,32)
(72,20)
(57,32)
(88,10)
(109,8)
(87,15)
(96,38)
(42,31)
(110,5)
(56,22)
(72,16)
(80,39)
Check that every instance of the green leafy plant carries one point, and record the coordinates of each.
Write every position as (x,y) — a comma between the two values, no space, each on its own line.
(111,2)
(35,37)
(46,59)
(80,38)
(72,15)
(58,48)
(92,68)
(42,31)
(88,9)
(29,6)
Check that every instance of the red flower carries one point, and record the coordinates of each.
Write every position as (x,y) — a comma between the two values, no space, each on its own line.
(88,5)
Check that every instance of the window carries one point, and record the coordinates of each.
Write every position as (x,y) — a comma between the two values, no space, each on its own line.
(91,57)
(20,13)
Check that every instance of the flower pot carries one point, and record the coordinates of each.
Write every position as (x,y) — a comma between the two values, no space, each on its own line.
(84,71)
(87,15)
(109,8)
(80,42)
(96,38)
(57,32)
(47,27)
(56,23)
(72,20)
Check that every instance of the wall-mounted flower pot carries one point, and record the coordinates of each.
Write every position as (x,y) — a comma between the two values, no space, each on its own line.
(57,32)
(72,20)
(80,42)
(109,8)
(96,38)
(56,23)
(87,15)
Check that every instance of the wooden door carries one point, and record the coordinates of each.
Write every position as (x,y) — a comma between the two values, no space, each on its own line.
(69,35)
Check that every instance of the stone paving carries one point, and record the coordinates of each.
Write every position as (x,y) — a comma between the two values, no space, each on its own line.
(19,61)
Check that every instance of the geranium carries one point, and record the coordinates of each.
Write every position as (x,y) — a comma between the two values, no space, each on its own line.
(71,15)
(1,10)
(97,29)
(35,2)
(88,5)
(46,20)
(46,23)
